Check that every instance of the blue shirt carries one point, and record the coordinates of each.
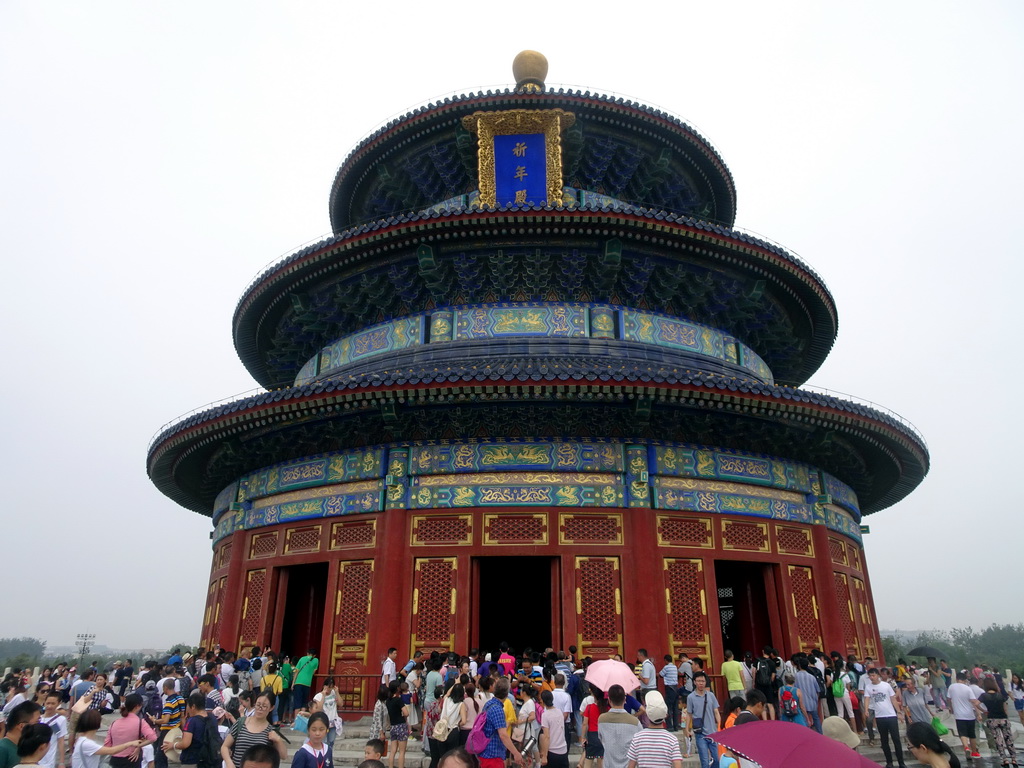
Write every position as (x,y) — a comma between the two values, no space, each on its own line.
(495,719)
(632,705)
(670,674)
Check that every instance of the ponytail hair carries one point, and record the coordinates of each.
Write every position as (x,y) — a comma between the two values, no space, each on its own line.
(131,702)
(923,735)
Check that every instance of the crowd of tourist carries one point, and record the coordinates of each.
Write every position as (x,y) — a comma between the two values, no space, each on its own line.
(492,710)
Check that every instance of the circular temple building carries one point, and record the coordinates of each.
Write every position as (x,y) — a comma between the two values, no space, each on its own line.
(535,388)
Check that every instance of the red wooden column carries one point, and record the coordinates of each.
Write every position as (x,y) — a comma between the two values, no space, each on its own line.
(643,587)
(231,598)
(392,587)
(828,600)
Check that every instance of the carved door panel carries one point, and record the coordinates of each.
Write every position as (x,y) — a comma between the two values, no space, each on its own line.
(350,652)
(433,604)
(686,604)
(804,604)
(250,631)
(846,615)
(598,583)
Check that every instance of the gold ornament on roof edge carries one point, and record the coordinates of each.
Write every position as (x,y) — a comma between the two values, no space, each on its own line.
(530,69)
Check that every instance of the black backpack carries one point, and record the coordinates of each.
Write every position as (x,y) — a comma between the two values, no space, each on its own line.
(209,750)
(763,676)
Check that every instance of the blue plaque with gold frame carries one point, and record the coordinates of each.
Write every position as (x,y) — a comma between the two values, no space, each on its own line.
(520,155)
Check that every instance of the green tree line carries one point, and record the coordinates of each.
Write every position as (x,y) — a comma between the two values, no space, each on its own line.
(998,645)
(21,652)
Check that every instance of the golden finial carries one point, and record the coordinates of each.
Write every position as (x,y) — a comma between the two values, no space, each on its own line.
(530,68)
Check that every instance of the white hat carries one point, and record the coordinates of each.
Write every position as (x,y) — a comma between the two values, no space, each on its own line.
(837,729)
(654,703)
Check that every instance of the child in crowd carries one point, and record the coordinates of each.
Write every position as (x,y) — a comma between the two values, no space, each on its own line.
(315,753)
(374,750)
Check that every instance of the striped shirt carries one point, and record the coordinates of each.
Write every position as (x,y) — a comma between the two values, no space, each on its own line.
(174,711)
(653,748)
(670,674)
(244,739)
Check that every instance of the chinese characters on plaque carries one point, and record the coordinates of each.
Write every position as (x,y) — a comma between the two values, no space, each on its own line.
(520,169)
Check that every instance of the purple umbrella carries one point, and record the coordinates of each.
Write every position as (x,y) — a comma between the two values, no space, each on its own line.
(776,744)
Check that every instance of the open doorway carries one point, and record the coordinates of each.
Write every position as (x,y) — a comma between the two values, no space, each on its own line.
(743,606)
(514,602)
(305,593)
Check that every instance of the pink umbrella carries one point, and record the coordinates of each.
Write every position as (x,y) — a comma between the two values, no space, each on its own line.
(608,672)
(776,744)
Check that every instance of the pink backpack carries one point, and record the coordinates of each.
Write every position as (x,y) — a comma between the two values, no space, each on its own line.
(478,740)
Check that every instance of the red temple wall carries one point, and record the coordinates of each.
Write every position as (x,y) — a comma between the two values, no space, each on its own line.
(629,578)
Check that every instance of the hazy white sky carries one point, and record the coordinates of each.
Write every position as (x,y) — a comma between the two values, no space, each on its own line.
(155,156)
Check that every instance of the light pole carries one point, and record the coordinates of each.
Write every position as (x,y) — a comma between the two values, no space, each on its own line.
(84,643)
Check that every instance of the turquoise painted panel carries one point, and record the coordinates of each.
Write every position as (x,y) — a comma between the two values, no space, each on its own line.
(319,470)
(307,372)
(534,319)
(485,456)
(225,498)
(757,469)
(327,506)
(398,334)
(603,473)
(531,319)
(503,495)
(729,503)
(749,359)
(841,494)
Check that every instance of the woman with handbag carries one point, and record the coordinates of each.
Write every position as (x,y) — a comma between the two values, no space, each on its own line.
(445,734)
(129,727)
(526,733)
(250,731)
(415,680)
(469,710)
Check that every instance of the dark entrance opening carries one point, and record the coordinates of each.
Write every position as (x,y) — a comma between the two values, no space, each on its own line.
(304,588)
(743,606)
(514,601)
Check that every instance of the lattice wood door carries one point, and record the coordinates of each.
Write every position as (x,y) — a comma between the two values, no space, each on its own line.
(433,604)
(251,629)
(350,654)
(598,582)
(686,604)
(862,613)
(846,617)
(804,604)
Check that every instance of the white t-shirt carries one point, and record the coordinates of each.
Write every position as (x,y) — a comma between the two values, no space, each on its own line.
(960,696)
(330,706)
(84,754)
(586,703)
(59,725)
(472,668)
(388,672)
(562,700)
(15,700)
(879,695)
